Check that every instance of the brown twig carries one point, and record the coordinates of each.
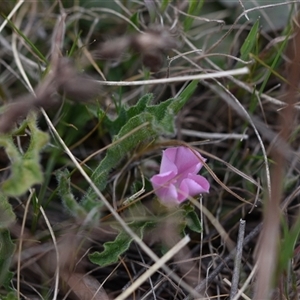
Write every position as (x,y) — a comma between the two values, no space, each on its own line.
(238,260)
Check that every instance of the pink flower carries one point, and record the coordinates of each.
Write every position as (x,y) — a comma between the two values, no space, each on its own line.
(177,178)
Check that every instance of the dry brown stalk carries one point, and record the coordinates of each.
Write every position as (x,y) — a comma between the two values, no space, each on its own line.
(267,246)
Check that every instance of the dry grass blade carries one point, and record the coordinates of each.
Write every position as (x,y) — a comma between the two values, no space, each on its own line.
(11,14)
(220,74)
(155,267)
(209,135)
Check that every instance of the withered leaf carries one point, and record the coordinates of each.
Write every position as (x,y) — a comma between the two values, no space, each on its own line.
(85,287)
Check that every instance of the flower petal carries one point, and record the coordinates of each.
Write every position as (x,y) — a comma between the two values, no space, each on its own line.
(192,186)
(184,159)
(202,183)
(168,195)
(167,161)
(163,179)
(164,187)
(183,191)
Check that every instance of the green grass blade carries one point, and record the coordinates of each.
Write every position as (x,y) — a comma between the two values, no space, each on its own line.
(194,9)
(164,4)
(250,41)
(32,46)
(73,47)
(274,63)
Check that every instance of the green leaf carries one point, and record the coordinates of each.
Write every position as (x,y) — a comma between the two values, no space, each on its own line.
(10,296)
(7,215)
(7,249)
(187,217)
(250,41)
(114,126)
(135,20)
(193,222)
(118,151)
(139,124)
(68,200)
(184,96)
(113,250)
(25,169)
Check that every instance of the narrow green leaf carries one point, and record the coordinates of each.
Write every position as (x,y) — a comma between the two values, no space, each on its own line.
(287,245)
(274,63)
(184,96)
(250,41)
(164,4)
(74,45)
(135,21)
(194,9)
(7,249)
(33,47)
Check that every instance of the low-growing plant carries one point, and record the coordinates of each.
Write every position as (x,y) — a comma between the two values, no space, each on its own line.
(149,150)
